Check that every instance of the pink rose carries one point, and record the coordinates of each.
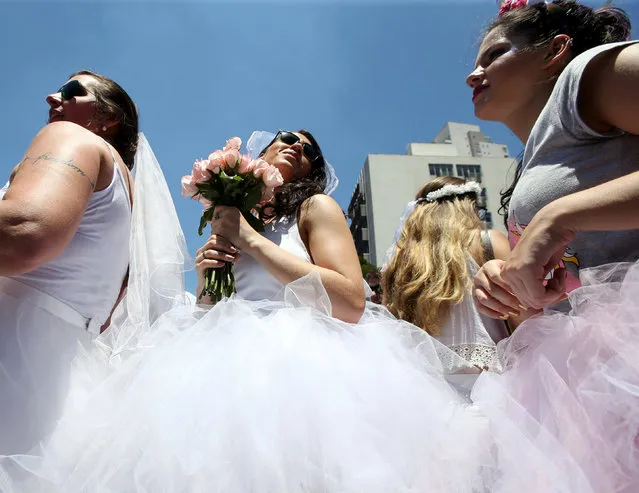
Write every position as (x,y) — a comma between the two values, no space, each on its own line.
(246,165)
(188,186)
(206,203)
(217,158)
(233,144)
(200,170)
(260,167)
(272,177)
(214,166)
(231,157)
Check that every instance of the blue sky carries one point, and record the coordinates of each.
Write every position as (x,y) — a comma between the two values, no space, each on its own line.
(364,76)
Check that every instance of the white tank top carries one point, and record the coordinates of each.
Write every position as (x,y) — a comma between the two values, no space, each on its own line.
(88,274)
(254,282)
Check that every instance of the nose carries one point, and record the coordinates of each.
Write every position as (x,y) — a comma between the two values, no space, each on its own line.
(297,147)
(475,78)
(54,100)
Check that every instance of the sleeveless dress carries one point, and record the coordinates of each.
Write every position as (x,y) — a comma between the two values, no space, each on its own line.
(50,312)
(467,332)
(265,392)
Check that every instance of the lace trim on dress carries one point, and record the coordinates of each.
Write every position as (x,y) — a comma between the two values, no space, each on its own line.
(480,355)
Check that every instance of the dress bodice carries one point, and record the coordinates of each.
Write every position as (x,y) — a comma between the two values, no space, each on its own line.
(88,274)
(252,280)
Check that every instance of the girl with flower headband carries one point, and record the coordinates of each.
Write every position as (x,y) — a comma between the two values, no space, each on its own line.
(564,77)
(438,249)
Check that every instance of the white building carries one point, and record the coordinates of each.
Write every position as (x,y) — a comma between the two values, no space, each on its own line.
(389,181)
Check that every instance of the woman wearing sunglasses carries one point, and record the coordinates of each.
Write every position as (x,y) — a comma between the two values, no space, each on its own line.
(65,220)
(307,234)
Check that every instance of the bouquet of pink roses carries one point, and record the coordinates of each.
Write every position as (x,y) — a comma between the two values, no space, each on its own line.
(231,179)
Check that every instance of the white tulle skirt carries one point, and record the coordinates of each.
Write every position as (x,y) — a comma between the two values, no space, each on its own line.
(39,338)
(277,396)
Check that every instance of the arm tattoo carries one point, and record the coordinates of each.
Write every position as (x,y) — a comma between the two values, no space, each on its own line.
(47,156)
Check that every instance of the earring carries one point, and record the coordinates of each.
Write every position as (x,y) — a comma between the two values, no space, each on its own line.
(104,127)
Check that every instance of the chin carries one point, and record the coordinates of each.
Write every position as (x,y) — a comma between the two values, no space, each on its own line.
(485,114)
(285,170)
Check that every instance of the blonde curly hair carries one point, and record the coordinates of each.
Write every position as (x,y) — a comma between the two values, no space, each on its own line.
(428,272)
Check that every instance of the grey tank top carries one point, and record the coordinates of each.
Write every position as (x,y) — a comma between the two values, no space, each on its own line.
(563,156)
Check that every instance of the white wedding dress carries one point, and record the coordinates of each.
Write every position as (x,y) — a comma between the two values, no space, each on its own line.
(272,394)
(51,311)
(267,393)
(52,314)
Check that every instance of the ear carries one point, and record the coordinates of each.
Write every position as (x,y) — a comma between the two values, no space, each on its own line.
(558,53)
(110,124)
(107,128)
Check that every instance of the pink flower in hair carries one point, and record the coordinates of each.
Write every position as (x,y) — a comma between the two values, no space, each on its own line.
(508,5)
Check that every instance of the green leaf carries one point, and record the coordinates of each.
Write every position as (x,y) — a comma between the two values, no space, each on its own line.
(252,197)
(207,215)
(254,222)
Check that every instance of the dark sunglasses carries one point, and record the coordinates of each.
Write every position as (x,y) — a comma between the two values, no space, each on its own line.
(72,89)
(289,138)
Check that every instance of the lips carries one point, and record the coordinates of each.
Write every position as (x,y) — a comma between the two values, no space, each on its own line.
(293,155)
(54,116)
(478,91)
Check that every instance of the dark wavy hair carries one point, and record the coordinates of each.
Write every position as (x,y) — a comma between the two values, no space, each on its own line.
(113,102)
(539,23)
(290,196)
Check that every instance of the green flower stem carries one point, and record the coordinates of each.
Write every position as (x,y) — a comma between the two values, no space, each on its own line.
(219,283)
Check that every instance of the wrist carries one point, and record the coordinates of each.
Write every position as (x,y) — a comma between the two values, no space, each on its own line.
(560,217)
(250,243)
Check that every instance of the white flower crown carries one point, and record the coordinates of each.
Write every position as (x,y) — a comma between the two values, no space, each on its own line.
(452,190)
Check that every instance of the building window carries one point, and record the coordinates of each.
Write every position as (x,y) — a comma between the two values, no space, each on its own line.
(469,172)
(441,169)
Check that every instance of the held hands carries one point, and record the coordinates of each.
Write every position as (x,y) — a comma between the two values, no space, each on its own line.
(492,294)
(503,288)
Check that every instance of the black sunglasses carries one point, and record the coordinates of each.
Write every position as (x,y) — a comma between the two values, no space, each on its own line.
(289,138)
(72,89)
